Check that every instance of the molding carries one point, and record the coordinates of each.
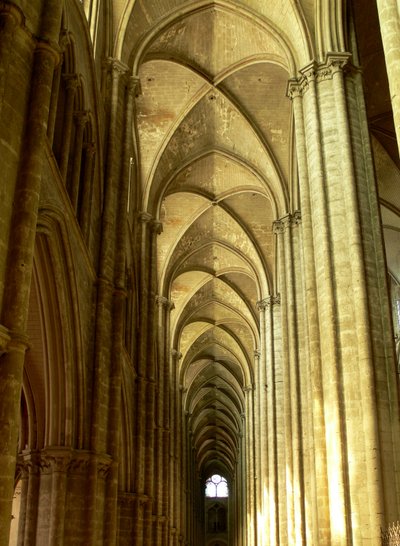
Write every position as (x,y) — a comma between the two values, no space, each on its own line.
(63,459)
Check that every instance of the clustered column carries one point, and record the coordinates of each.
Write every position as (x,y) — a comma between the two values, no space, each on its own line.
(13,342)
(347,352)
(270,347)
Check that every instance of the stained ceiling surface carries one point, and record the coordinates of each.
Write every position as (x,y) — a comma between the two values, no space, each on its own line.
(214,136)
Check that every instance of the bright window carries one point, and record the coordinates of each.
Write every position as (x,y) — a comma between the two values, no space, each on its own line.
(216,486)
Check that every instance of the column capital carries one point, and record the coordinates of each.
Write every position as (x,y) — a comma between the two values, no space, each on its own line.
(133,86)
(50,47)
(81,117)
(296,87)
(156,227)
(257,353)
(318,71)
(162,301)
(55,459)
(176,354)
(115,66)
(248,388)
(29,462)
(287,221)
(144,217)
(268,301)
(71,81)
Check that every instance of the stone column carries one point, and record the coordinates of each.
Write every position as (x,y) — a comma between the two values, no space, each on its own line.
(30,465)
(177,498)
(80,118)
(85,209)
(342,250)
(162,480)
(63,43)
(333,407)
(71,84)
(257,451)
(102,517)
(264,447)
(20,261)
(53,105)
(270,502)
(287,234)
(118,318)
(389,18)
(55,463)
(250,468)
(317,498)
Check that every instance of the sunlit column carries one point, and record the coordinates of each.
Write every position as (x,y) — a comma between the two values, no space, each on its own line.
(279,228)
(270,501)
(331,369)
(317,500)
(263,429)
(250,467)
(257,450)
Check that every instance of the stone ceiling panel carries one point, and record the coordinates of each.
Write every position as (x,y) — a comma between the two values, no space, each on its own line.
(225,44)
(166,89)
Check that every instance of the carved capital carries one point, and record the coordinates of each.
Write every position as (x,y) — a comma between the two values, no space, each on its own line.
(29,462)
(81,117)
(287,221)
(116,67)
(133,86)
(156,227)
(55,460)
(144,217)
(337,62)
(317,72)
(71,81)
(263,304)
(257,353)
(103,467)
(161,301)
(176,354)
(296,87)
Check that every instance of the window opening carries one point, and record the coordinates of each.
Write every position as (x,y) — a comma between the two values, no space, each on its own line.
(216,486)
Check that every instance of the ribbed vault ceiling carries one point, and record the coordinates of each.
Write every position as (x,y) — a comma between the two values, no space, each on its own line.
(214,137)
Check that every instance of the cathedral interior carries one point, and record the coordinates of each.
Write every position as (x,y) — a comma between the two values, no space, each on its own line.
(199,272)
